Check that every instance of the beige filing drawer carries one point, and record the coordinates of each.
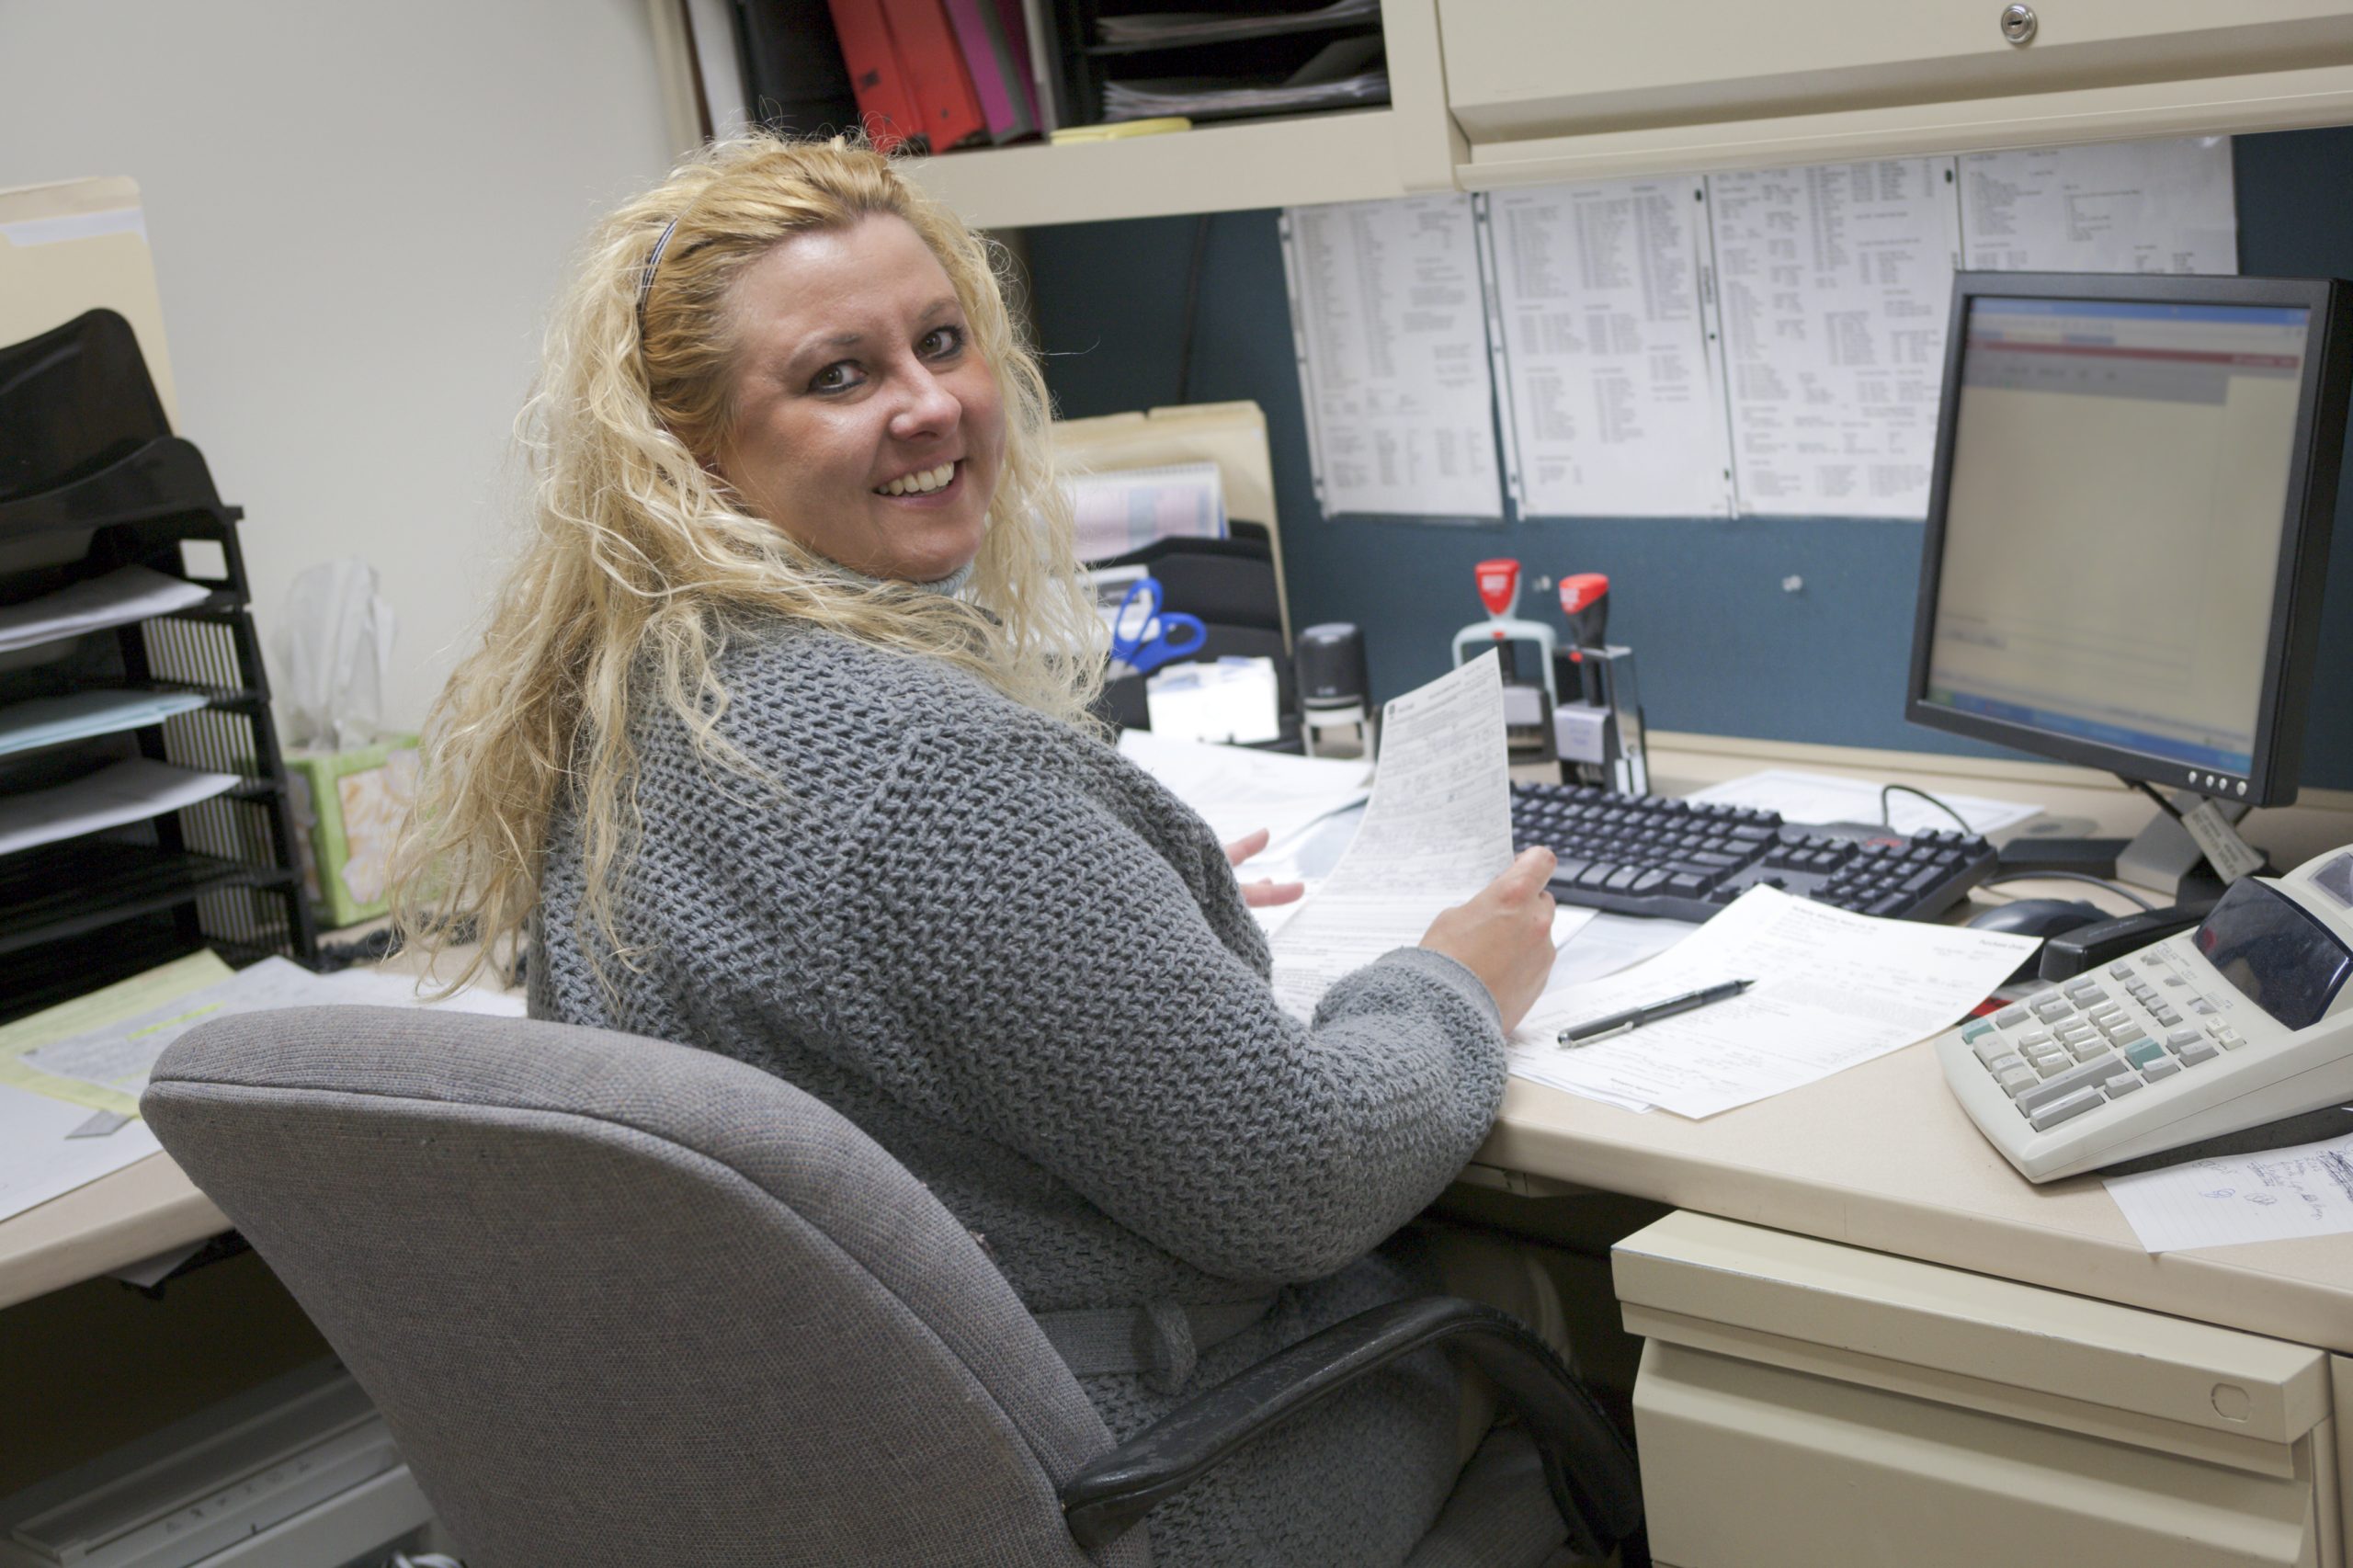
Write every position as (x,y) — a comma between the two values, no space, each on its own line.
(1520,69)
(1806,1403)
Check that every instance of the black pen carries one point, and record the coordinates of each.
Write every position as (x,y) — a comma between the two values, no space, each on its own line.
(1635,1018)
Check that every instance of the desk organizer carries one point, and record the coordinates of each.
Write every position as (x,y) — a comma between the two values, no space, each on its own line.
(92,481)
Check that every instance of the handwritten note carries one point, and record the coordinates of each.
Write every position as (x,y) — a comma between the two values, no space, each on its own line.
(1832,989)
(1437,831)
(2276,1195)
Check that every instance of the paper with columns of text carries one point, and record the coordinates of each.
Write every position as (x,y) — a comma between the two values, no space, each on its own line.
(1437,830)
(1834,283)
(1832,989)
(2276,1195)
(1391,326)
(1612,402)
(2162,206)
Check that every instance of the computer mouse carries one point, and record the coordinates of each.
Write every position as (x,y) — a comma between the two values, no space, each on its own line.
(2040,916)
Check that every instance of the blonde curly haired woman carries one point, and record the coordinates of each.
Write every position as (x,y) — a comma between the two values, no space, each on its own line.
(777,743)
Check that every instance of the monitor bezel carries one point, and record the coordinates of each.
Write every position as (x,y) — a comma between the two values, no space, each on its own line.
(2309,515)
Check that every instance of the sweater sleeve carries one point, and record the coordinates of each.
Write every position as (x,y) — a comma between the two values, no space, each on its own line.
(1030,967)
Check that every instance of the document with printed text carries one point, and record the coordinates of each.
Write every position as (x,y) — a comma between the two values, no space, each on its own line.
(2162,206)
(1437,830)
(1391,331)
(1832,989)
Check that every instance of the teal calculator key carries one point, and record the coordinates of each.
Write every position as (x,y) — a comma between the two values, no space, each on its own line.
(2140,1055)
(1975,1030)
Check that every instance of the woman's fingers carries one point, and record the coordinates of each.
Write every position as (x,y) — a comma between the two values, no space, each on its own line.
(1241,849)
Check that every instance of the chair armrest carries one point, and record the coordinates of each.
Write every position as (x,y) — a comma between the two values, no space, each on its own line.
(1588,1462)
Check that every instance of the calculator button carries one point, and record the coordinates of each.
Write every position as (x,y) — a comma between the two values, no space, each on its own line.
(2108,1014)
(2088,1050)
(2070,1034)
(2200,1004)
(2034,1036)
(2197,1053)
(1975,1031)
(2075,1105)
(2163,1067)
(2011,1017)
(2089,996)
(2119,1088)
(2143,1053)
(2166,1017)
(2015,1079)
(2054,1090)
(2125,1034)
(2076,988)
(2230,1039)
(2180,1038)
(2121,971)
(1992,1049)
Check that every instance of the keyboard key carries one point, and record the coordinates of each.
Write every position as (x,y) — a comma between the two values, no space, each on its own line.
(2180,1038)
(2080,990)
(2121,971)
(2119,1088)
(2067,1083)
(2201,1050)
(2011,1017)
(2143,1052)
(1976,1031)
(2013,1080)
(2163,1067)
(2035,1036)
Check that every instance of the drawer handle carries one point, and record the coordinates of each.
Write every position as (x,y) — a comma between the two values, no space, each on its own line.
(2019,23)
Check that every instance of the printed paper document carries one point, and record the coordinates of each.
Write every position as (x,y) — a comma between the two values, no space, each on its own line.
(130,790)
(2166,206)
(1437,831)
(122,595)
(1237,791)
(1834,283)
(1611,405)
(2276,1195)
(1390,325)
(1819,797)
(1832,989)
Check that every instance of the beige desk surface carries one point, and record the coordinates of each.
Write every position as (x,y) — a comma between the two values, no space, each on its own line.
(1879,1156)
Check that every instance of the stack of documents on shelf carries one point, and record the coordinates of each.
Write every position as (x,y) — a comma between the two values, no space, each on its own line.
(123,596)
(1831,990)
(128,791)
(1341,76)
(48,721)
(1129,509)
(70,1075)
(1210,27)
(1821,797)
(1237,791)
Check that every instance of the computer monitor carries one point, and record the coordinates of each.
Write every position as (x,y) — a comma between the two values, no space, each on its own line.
(2129,522)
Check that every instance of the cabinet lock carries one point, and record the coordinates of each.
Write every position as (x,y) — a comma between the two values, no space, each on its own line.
(2019,23)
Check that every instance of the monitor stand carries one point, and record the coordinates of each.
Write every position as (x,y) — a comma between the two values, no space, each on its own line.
(2162,856)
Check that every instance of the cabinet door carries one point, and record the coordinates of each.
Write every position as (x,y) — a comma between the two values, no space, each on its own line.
(1520,69)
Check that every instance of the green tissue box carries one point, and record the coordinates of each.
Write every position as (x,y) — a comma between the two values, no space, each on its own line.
(349,806)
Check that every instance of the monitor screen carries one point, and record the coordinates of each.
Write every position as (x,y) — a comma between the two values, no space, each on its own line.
(2113,506)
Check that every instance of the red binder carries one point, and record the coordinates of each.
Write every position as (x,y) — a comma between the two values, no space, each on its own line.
(886,101)
(942,88)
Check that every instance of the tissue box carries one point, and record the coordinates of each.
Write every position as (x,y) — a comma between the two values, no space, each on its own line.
(348,808)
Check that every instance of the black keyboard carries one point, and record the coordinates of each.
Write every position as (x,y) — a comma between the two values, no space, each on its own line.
(1649,854)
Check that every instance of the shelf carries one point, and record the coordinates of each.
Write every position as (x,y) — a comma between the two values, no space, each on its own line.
(81,885)
(163,479)
(1228,165)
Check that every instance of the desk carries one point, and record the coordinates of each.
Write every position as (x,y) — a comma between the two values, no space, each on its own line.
(1878,1157)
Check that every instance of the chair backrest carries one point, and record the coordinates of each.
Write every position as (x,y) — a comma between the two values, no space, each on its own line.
(626,1302)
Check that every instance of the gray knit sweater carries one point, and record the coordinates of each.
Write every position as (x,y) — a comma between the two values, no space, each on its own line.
(1025,969)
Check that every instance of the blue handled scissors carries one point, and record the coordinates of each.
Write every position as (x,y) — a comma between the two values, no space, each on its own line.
(1144,636)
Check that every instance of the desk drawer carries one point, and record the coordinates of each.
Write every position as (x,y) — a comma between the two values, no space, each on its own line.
(1801,1403)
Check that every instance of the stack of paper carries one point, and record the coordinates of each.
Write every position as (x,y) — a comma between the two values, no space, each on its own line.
(1832,989)
(121,596)
(1238,791)
(123,792)
(48,721)
(1129,509)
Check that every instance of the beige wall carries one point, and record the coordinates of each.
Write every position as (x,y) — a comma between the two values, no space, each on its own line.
(360,215)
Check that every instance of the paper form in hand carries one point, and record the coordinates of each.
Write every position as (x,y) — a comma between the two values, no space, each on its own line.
(1613,405)
(1438,830)
(1390,321)
(2161,206)
(1833,283)
(1833,989)
(2276,1195)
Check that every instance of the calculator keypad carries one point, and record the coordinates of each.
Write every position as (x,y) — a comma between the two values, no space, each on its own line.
(2094,1039)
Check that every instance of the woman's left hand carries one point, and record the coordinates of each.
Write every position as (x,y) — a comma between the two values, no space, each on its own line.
(1265,891)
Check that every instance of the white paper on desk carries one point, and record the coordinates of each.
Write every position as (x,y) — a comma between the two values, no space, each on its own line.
(40,1160)
(1437,830)
(1613,399)
(1238,791)
(122,595)
(118,1054)
(1390,321)
(1833,284)
(1819,797)
(1833,989)
(130,790)
(2278,1194)
(2164,206)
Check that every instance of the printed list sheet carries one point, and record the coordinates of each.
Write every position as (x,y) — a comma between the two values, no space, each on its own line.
(1391,331)
(1611,405)
(1834,283)
(2169,206)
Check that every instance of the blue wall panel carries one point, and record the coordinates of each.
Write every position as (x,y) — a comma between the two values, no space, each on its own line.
(1723,647)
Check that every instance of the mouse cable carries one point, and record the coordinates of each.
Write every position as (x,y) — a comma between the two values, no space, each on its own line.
(1887,820)
(2119,889)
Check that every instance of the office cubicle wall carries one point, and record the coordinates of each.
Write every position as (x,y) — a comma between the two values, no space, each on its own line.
(1725,646)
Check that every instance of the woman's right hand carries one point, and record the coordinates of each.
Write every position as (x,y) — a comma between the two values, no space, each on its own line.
(1504,935)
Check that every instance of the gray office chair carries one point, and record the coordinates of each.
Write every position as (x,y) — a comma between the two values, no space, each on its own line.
(625,1303)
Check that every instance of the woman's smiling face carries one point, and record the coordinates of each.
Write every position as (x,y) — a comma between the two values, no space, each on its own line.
(864,423)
